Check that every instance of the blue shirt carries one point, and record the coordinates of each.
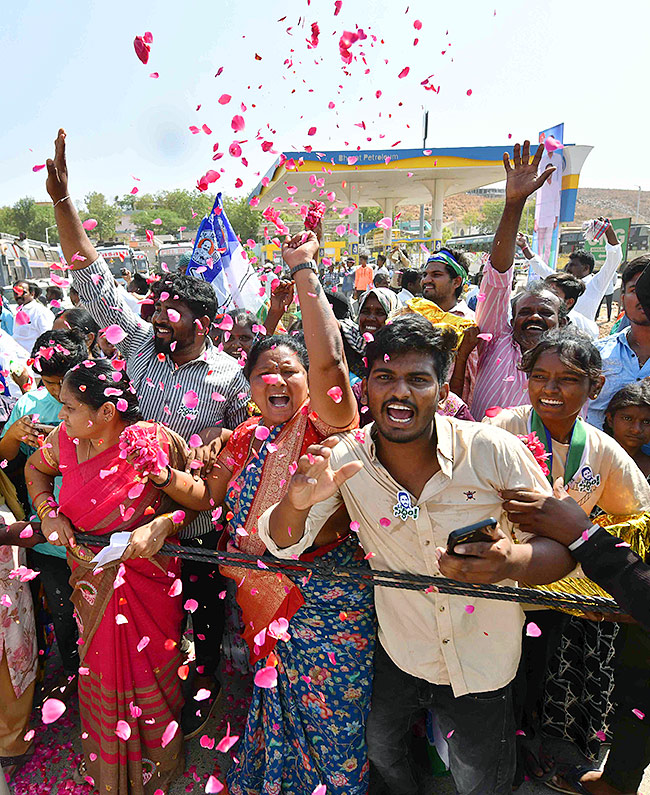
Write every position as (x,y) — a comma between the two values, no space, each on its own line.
(620,368)
(39,401)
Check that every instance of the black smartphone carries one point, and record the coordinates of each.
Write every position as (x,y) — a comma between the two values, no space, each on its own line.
(479,531)
(44,428)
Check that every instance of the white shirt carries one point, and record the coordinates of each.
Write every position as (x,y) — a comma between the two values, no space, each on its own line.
(12,355)
(582,323)
(40,319)
(597,284)
(404,296)
(431,635)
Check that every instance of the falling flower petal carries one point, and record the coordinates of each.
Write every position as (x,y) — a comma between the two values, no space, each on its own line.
(262,432)
(38,168)
(267,677)
(532,630)
(169,733)
(190,399)
(143,643)
(114,334)
(52,709)
(336,393)
(213,786)
(123,730)
(404,72)
(311,131)
(238,123)
(89,224)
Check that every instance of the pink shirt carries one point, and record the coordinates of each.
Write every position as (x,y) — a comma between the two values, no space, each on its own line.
(499,382)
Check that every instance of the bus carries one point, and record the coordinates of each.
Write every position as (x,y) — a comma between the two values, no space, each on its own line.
(41,258)
(170,253)
(117,256)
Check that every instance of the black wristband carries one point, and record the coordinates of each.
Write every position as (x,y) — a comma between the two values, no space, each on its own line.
(166,481)
(303,266)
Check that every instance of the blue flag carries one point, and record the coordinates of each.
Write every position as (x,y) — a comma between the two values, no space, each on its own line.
(219,258)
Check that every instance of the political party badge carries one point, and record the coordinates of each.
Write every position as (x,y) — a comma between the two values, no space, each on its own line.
(403,509)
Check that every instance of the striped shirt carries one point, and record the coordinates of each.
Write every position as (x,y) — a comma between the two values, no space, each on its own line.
(216,378)
(499,382)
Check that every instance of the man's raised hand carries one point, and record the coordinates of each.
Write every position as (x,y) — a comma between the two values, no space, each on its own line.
(57,170)
(315,480)
(299,248)
(522,179)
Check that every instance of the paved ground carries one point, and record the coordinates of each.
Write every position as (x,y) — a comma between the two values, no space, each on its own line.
(59,749)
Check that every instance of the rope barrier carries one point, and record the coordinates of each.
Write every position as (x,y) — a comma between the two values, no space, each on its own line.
(386,579)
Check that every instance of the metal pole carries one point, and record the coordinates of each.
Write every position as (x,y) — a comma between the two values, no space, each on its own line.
(638,203)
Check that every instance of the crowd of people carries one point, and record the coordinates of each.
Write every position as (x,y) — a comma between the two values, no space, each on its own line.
(368,415)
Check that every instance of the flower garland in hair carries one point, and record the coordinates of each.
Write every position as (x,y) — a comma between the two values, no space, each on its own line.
(532,442)
(141,446)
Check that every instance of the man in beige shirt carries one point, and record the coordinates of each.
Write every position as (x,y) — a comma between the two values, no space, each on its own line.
(409,479)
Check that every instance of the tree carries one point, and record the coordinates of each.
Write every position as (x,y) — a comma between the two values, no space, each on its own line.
(143,220)
(371,214)
(244,219)
(106,215)
(491,213)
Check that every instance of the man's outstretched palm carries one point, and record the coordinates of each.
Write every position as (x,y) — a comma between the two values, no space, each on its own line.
(522,179)
(315,480)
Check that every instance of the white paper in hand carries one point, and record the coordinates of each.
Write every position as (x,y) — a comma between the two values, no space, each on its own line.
(114,551)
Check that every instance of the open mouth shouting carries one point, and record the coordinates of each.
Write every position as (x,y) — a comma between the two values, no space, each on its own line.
(399,413)
(279,401)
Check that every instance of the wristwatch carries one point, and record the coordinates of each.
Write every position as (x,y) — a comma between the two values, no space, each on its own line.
(304,265)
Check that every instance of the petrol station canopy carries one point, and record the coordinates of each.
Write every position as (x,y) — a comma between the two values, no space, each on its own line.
(392,178)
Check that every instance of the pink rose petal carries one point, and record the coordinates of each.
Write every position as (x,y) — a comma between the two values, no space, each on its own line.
(176,588)
(89,224)
(123,730)
(213,786)
(238,123)
(114,334)
(169,733)
(532,630)
(190,605)
(195,440)
(52,709)
(267,677)
(336,393)
(190,399)
(143,643)
(262,432)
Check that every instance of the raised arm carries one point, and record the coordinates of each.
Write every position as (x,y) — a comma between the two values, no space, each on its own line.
(589,301)
(72,235)
(522,181)
(537,264)
(92,279)
(329,383)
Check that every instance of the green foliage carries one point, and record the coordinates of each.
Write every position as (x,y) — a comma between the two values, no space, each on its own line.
(491,213)
(28,217)
(446,234)
(371,214)
(107,215)
(244,219)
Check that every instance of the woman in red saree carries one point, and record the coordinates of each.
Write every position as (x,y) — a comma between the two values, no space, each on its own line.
(308,729)
(129,691)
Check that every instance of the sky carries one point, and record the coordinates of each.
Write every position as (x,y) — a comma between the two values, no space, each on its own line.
(504,68)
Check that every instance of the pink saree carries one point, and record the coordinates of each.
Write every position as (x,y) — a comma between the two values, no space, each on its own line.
(129,628)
